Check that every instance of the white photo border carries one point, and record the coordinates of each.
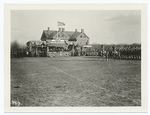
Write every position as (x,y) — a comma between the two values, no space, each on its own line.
(7,35)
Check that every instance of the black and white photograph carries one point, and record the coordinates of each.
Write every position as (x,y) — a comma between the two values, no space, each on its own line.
(75,58)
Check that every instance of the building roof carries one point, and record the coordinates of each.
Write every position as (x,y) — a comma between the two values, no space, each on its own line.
(49,34)
(68,33)
(35,42)
(74,36)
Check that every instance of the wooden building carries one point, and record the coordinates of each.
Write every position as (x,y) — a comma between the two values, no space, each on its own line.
(68,37)
(52,40)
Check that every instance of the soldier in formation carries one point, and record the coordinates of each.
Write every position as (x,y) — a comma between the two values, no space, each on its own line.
(130,53)
(124,53)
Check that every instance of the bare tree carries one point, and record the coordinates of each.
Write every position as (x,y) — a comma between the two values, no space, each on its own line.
(15,46)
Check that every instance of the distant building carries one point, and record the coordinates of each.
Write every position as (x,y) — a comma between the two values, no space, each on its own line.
(57,40)
(52,36)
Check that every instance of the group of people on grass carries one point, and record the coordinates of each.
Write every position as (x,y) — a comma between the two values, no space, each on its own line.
(19,53)
(111,52)
(127,53)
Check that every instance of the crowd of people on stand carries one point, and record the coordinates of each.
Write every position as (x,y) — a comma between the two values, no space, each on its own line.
(56,49)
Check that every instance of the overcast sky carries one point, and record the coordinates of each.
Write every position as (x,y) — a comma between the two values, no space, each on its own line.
(102,26)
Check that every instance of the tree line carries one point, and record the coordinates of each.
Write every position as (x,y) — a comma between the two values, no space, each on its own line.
(18,50)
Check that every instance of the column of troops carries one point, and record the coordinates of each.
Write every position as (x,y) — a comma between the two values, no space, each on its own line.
(119,52)
(130,53)
(124,53)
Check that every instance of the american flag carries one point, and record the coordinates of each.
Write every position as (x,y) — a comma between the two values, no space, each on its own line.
(61,24)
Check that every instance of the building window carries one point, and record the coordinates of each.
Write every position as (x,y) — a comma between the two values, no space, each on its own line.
(87,43)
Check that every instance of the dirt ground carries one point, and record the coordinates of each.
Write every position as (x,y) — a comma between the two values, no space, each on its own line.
(75,81)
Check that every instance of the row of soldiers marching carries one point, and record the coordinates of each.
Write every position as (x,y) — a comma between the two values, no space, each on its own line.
(127,53)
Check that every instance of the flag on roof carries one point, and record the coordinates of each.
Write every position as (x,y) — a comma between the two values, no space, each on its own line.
(61,24)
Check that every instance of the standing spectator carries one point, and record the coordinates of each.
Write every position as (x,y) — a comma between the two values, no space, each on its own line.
(27,53)
(113,48)
(107,54)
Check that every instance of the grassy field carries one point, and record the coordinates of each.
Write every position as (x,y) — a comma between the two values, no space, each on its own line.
(75,81)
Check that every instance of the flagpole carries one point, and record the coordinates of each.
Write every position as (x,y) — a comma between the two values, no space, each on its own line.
(60,24)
